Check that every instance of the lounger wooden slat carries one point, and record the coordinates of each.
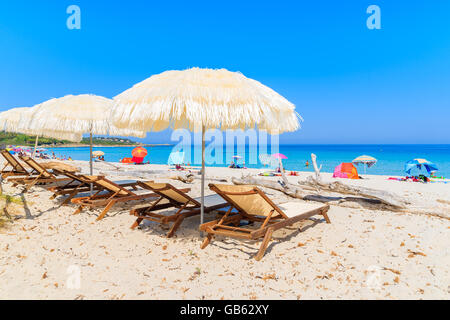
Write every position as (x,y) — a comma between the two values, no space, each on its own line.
(169,196)
(253,205)
(16,167)
(38,175)
(79,184)
(114,194)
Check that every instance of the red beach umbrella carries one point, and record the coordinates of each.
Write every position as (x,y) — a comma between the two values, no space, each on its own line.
(139,152)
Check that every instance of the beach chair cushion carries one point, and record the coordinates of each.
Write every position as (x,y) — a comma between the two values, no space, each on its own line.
(294,208)
(107,184)
(211,200)
(252,204)
(179,197)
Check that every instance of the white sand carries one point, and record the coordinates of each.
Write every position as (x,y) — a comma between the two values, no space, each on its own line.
(363,254)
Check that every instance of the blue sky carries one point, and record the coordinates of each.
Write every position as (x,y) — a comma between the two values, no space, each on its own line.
(350,84)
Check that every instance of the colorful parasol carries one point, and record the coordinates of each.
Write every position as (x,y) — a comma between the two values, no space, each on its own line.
(418,163)
(139,152)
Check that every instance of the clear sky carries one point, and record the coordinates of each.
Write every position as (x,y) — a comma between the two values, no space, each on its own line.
(350,84)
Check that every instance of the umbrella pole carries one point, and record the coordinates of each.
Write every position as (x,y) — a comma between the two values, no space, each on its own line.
(90,158)
(202,208)
(35,146)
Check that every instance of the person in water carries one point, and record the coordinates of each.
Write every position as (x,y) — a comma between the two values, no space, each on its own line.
(307,163)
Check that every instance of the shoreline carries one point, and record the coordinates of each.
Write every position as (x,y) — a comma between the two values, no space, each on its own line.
(104,146)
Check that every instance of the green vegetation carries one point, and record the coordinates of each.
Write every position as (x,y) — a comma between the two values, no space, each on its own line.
(108,141)
(18,139)
(10,199)
(7,213)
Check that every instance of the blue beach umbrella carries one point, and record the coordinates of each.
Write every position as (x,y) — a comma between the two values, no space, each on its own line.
(418,163)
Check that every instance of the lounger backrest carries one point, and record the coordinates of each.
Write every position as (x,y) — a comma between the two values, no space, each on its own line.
(169,192)
(73,176)
(37,167)
(246,198)
(13,161)
(109,185)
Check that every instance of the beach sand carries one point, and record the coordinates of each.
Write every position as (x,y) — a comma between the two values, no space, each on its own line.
(365,253)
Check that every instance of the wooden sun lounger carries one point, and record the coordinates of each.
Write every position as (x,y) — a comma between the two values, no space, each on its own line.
(17,168)
(107,195)
(79,184)
(171,197)
(253,205)
(38,175)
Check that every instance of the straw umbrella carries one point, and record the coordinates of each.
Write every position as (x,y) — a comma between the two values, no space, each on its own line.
(80,114)
(98,153)
(365,160)
(16,120)
(201,99)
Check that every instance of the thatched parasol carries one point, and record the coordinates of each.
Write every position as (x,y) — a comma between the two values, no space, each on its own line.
(79,114)
(200,99)
(17,120)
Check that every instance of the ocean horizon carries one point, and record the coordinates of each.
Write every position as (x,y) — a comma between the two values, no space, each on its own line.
(391,157)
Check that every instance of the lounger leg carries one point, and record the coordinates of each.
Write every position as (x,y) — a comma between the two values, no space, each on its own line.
(175,226)
(79,209)
(264,244)
(206,241)
(32,183)
(325,215)
(71,195)
(136,223)
(105,211)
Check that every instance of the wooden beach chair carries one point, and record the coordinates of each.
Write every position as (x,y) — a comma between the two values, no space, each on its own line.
(107,195)
(79,184)
(169,196)
(254,206)
(38,175)
(17,168)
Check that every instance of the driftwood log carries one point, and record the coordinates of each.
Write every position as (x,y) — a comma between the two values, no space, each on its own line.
(338,187)
(299,192)
(185,177)
(316,168)
(317,183)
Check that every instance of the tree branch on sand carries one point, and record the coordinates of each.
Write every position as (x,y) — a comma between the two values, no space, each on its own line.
(185,177)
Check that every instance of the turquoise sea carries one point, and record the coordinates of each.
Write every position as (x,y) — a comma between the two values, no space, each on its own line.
(391,158)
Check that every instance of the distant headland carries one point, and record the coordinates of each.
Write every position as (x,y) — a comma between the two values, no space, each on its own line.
(27,140)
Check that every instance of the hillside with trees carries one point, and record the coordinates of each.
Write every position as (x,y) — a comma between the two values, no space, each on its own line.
(7,138)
